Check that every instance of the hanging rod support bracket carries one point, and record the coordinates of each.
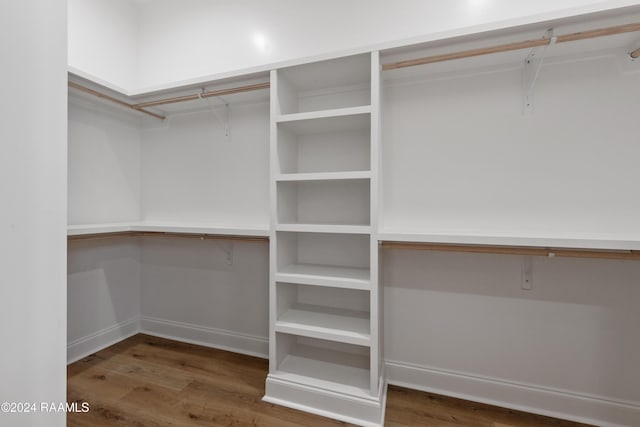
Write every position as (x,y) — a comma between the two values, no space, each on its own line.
(531,71)
(227,248)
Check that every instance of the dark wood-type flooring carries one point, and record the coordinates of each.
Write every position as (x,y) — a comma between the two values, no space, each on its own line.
(149,381)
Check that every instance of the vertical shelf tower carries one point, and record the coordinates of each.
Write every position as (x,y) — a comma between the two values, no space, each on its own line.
(325,326)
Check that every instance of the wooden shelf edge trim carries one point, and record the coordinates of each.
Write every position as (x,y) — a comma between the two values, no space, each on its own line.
(516,250)
(199,236)
(526,44)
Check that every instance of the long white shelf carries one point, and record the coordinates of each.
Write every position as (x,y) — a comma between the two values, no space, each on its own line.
(323,176)
(595,242)
(582,241)
(338,120)
(84,229)
(324,275)
(211,229)
(325,228)
(347,326)
(327,369)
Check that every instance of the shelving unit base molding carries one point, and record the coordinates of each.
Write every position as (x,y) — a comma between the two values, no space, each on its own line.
(360,410)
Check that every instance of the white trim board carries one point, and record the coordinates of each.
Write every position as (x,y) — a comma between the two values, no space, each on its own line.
(328,403)
(563,404)
(102,339)
(222,339)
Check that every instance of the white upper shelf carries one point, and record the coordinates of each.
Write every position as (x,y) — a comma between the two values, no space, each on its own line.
(335,120)
(324,228)
(324,176)
(595,242)
(211,229)
(583,241)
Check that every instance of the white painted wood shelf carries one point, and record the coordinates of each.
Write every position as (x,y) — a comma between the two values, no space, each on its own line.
(86,229)
(581,242)
(347,326)
(338,120)
(324,275)
(325,228)
(338,371)
(157,227)
(324,176)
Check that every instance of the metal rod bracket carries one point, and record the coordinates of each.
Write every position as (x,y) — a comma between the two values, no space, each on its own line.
(531,71)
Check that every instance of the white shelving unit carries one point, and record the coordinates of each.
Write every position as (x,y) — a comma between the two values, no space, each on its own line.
(325,319)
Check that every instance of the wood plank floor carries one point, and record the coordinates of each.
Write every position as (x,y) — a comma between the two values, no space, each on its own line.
(149,381)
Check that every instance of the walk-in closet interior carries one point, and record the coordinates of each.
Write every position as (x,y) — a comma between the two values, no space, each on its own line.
(450,208)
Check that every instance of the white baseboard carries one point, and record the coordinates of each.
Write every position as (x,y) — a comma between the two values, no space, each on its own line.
(99,340)
(209,337)
(561,404)
(366,412)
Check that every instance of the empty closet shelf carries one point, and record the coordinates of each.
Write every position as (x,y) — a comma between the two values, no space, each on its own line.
(325,228)
(328,369)
(347,326)
(338,120)
(323,275)
(324,176)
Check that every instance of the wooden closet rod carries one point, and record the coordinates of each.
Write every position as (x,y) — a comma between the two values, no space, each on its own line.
(99,236)
(635,54)
(114,100)
(517,250)
(628,28)
(203,94)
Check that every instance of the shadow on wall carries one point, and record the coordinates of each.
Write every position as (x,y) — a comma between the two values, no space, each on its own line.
(567,280)
(466,313)
(103,285)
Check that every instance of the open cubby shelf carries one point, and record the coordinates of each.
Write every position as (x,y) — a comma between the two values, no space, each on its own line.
(348,326)
(338,368)
(325,275)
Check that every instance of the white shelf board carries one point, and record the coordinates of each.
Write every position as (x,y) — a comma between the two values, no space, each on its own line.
(347,326)
(338,120)
(201,228)
(324,275)
(324,176)
(582,241)
(325,228)
(85,229)
(187,228)
(327,369)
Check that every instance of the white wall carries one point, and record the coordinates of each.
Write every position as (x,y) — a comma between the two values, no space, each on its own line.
(104,164)
(103,295)
(209,292)
(192,172)
(568,169)
(141,45)
(104,186)
(193,291)
(459,156)
(460,324)
(181,40)
(103,41)
(33,108)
